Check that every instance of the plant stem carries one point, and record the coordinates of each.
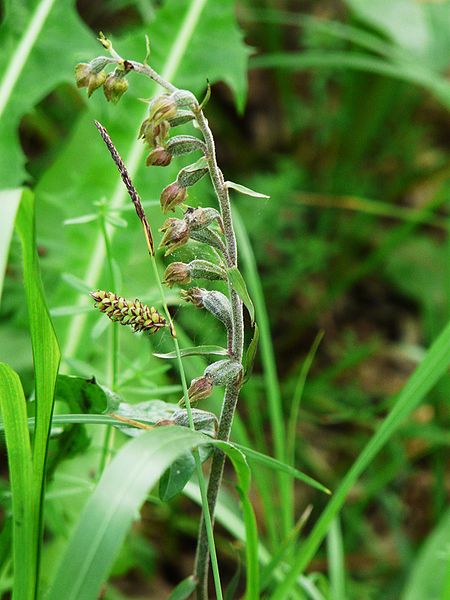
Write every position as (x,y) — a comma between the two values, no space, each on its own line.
(113,358)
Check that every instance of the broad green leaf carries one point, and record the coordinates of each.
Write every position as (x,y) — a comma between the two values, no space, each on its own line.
(277,465)
(85,395)
(25,541)
(183,589)
(37,54)
(9,203)
(210,350)
(430,572)
(433,366)
(239,286)
(244,190)
(110,510)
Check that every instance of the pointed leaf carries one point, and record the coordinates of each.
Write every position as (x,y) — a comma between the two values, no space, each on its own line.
(238,284)
(244,190)
(251,354)
(183,589)
(208,350)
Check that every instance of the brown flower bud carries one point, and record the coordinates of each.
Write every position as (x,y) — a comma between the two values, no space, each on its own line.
(115,86)
(91,75)
(199,389)
(176,234)
(154,135)
(172,195)
(162,108)
(177,272)
(199,218)
(194,295)
(159,157)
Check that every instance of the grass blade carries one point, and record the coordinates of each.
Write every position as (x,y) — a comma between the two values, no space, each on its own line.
(13,408)
(420,383)
(9,203)
(336,565)
(46,355)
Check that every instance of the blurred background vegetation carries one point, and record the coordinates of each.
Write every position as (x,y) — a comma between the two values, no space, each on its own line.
(345,123)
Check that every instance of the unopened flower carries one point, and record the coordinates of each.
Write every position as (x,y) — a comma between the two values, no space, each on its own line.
(199,389)
(195,296)
(171,196)
(115,86)
(213,301)
(199,218)
(177,272)
(88,75)
(159,157)
(162,108)
(139,316)
(176,234)
(154,135)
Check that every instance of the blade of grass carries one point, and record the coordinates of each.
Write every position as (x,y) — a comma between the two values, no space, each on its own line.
(295,407)
(9,203)
(13,407)
(110,510)
(420,383)
(336,565)
(46,355)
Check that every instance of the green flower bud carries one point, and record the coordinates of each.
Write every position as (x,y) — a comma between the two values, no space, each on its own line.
(159,157)
(199,389)
(182,117)
(171,196)
(115,86)
(184,98)
(199,218)
(193,173)
(87,75)
(203,421)
(162,108)
(213,301)
(203,269)
(176,234)
(224,372)
(154,135)
(177,272)
(139,316)
(183,144)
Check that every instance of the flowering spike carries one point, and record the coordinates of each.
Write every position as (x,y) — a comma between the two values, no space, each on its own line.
(126,312)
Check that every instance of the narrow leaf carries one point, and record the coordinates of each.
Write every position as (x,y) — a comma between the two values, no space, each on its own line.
(238,284)
(81,220)
(183,589)
(277,465)
(210,350)
(13,408)
(245,190)
(251,354)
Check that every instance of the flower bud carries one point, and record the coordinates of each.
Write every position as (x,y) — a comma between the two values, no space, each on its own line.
(203,269)
(176,234)
(177,272)
(182,117)
(224,372)
(159,157)
(199,389)
(193,173)
(87,76)
(199,218)
(183,144)
(213,301)
(209,237)
(171,196)
(115,86)
(184,98)
(154,135)
(162,108)
(139,316)
(203,421)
